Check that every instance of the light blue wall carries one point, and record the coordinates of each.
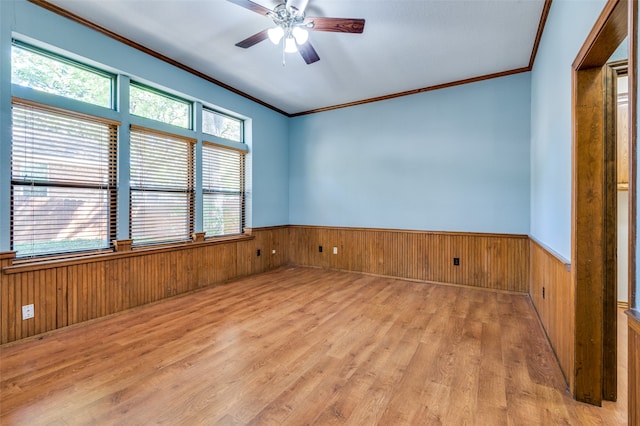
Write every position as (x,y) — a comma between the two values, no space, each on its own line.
(6,13)
(622,52)
(268,183)
(567,26)
(455,159)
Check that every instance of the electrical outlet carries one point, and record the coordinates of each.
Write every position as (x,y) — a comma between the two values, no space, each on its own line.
(320,249)
(456,261)
(258,252)
(28,311)
(335,250)
(273,251)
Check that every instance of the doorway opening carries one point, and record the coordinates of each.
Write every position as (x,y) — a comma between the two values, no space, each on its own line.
(622,180)
(594,208)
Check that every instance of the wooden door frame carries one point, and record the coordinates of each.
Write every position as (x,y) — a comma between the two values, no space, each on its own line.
(633,317)
(593,191)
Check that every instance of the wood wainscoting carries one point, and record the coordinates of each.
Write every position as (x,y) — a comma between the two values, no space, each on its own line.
(74,290)
(495,261)
(553,297)
(634,368)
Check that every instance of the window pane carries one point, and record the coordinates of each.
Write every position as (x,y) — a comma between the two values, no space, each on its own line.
(52,74)
(159,106)
(222,214)
(223,190)
(159,217)
(52,147)
(63,182)
(48,220)
(162,194)
(221,125)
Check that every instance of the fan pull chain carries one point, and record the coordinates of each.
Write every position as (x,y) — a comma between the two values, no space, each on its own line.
(283,57)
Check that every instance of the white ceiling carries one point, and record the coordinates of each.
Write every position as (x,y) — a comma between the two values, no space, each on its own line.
(406,44)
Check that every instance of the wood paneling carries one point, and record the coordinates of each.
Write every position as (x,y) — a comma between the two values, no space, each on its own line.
(68,292)
(300,346)
(634,369)
(494,261)
(78,290)
(553,297)
(267,240)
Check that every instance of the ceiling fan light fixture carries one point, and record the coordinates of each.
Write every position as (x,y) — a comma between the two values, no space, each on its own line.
(290,45)
(275,34)
(292,26)
(301,35)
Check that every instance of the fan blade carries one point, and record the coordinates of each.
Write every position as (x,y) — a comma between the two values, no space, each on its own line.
(254,7)
(336,25)
(308,53)
(254,39)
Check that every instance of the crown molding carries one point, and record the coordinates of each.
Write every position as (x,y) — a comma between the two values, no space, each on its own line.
(72,16)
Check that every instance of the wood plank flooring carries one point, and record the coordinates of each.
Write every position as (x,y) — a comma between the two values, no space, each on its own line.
(300,346)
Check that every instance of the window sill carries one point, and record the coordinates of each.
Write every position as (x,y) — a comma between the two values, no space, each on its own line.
(57,261)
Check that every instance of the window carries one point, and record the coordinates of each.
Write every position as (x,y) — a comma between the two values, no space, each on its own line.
(162,193)
(63,171)
(223,190)
(156,105)
(65,165)
(220,125)
(44,71)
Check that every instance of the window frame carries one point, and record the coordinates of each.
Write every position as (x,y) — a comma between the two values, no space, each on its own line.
(231,117)
(120,211)
(190,189)
(110,187)
(159,92)
(242,193)
(74,63)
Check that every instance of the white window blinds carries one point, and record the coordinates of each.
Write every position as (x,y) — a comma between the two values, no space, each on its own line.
(63,177)
(162,193)
(223,190)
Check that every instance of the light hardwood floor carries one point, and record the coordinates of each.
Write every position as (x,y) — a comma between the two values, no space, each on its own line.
(300,346)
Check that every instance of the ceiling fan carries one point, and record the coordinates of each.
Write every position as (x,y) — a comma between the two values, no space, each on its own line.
(292,27)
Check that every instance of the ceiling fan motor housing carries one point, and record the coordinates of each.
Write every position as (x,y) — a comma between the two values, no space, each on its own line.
(298,5)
